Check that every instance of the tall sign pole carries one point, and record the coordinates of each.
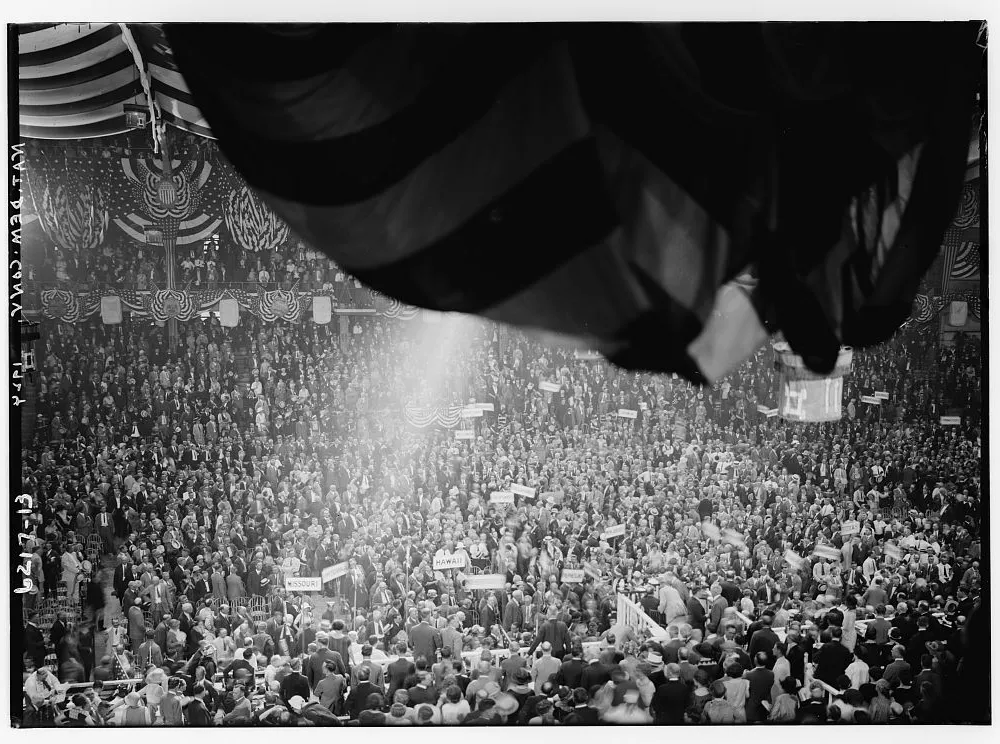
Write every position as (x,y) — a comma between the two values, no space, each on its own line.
(167,193)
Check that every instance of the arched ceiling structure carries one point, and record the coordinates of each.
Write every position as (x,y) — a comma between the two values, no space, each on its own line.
(75,80)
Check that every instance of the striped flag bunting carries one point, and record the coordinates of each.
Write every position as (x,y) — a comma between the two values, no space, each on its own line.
(74,79)
(615,183)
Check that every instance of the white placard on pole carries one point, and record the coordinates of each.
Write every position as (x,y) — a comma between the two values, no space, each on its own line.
(502,497)
(850,527)
(762,409)
(485,407)
(881,395)
(871,399)
(827,551)
(617,531)
(448,561)
(549,387)
(485,581)
(465,434)
(303,583)
(334,572)
(951,420)
(627,413)
(470,412)
(525,491)
(572,575)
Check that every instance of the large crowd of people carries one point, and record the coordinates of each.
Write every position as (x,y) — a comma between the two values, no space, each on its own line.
(798,572)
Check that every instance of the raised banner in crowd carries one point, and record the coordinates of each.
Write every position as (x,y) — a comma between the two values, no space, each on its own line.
(573,575)
(303,583)
(484,581)
(617,531)
(951,420)
(444,561)
(465,434)
(472,412)
(881,395)
(485,407)
(502,497)
(871,399)
(335,571)
(525,491)
(851,527)
(827,551)
(627,413)
(549,387)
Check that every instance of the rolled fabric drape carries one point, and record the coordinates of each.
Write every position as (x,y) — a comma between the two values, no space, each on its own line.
(607,182)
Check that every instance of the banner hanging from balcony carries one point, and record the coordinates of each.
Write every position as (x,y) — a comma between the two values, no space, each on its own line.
(251,222)
(390,307)
(423,416)
(71,200)
(185,205)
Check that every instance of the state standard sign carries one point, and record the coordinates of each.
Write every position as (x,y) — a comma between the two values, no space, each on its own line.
(304,583)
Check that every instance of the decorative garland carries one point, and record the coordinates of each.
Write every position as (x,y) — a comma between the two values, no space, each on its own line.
(166,304)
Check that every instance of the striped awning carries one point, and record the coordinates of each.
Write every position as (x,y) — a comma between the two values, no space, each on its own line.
(75,79)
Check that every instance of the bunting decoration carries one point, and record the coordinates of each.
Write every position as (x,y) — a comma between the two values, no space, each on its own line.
(279,303)
(184,206)
(168,304)
(390,307)
(61,305)
(968,207)
(252,223)
(71,202)
(422,417)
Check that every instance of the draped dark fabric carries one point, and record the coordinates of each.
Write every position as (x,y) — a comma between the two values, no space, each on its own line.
(669,194)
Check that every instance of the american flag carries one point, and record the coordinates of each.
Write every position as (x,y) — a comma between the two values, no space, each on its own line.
(961,255)
(188,208)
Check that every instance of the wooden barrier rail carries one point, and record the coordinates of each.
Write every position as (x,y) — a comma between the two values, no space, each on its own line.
(632,615)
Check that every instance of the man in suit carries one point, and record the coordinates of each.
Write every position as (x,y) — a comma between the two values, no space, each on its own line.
(832,659)
(452,637)
(761,682)
(149,652)
(571,671)
(425,639)
(323,654)
(124,574)
(697,616)
(58,630)
(375,674)
(359,693)
(295,683)
(399,670)
(555,632)
(34,640)
(510,665)
(136,625)
(671,698)
(582,714)
(763,640)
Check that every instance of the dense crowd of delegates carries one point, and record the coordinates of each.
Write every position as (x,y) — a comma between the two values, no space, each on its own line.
(204,491)
(118,263)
